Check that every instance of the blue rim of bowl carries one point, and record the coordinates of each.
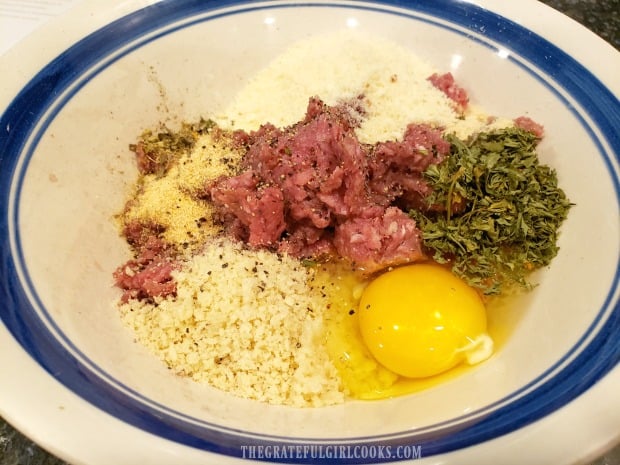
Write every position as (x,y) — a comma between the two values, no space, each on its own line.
(30,113)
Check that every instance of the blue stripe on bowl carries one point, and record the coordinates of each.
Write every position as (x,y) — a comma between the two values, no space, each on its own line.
(36,105)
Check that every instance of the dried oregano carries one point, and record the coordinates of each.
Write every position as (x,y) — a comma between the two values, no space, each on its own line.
(164,147)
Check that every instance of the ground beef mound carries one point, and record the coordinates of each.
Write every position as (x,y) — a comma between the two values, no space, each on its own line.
(447,84)
(313,190)
(149,274)
(528,124)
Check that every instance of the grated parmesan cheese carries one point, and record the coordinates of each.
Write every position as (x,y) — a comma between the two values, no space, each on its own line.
(343,66)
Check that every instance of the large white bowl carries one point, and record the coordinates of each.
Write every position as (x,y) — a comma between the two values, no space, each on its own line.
(79,91)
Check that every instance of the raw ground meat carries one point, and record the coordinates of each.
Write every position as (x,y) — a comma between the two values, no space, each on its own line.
(396,167)
(446,84)
(313,189)
(150,273)
(374,243)
(528,124)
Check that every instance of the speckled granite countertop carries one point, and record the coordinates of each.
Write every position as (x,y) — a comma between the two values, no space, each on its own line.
(600,16)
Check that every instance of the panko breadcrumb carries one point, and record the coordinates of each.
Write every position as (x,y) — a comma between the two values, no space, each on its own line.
(247,322)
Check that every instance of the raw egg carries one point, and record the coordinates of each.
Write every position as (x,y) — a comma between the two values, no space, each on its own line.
(421,320)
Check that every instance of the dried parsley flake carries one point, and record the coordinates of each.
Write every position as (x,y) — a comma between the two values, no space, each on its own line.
(500,210)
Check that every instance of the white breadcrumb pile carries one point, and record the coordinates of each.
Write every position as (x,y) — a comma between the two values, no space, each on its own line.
(247,322)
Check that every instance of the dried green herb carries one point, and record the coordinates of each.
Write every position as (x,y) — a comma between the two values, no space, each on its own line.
(500,210)
(308,263)
(161,149)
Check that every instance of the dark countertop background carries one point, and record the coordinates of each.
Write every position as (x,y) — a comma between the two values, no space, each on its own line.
(600,16)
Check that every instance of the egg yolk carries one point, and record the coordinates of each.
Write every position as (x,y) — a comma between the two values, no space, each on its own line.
(421,320)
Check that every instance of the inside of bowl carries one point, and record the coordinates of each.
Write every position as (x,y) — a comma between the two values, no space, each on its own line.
(81,172)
